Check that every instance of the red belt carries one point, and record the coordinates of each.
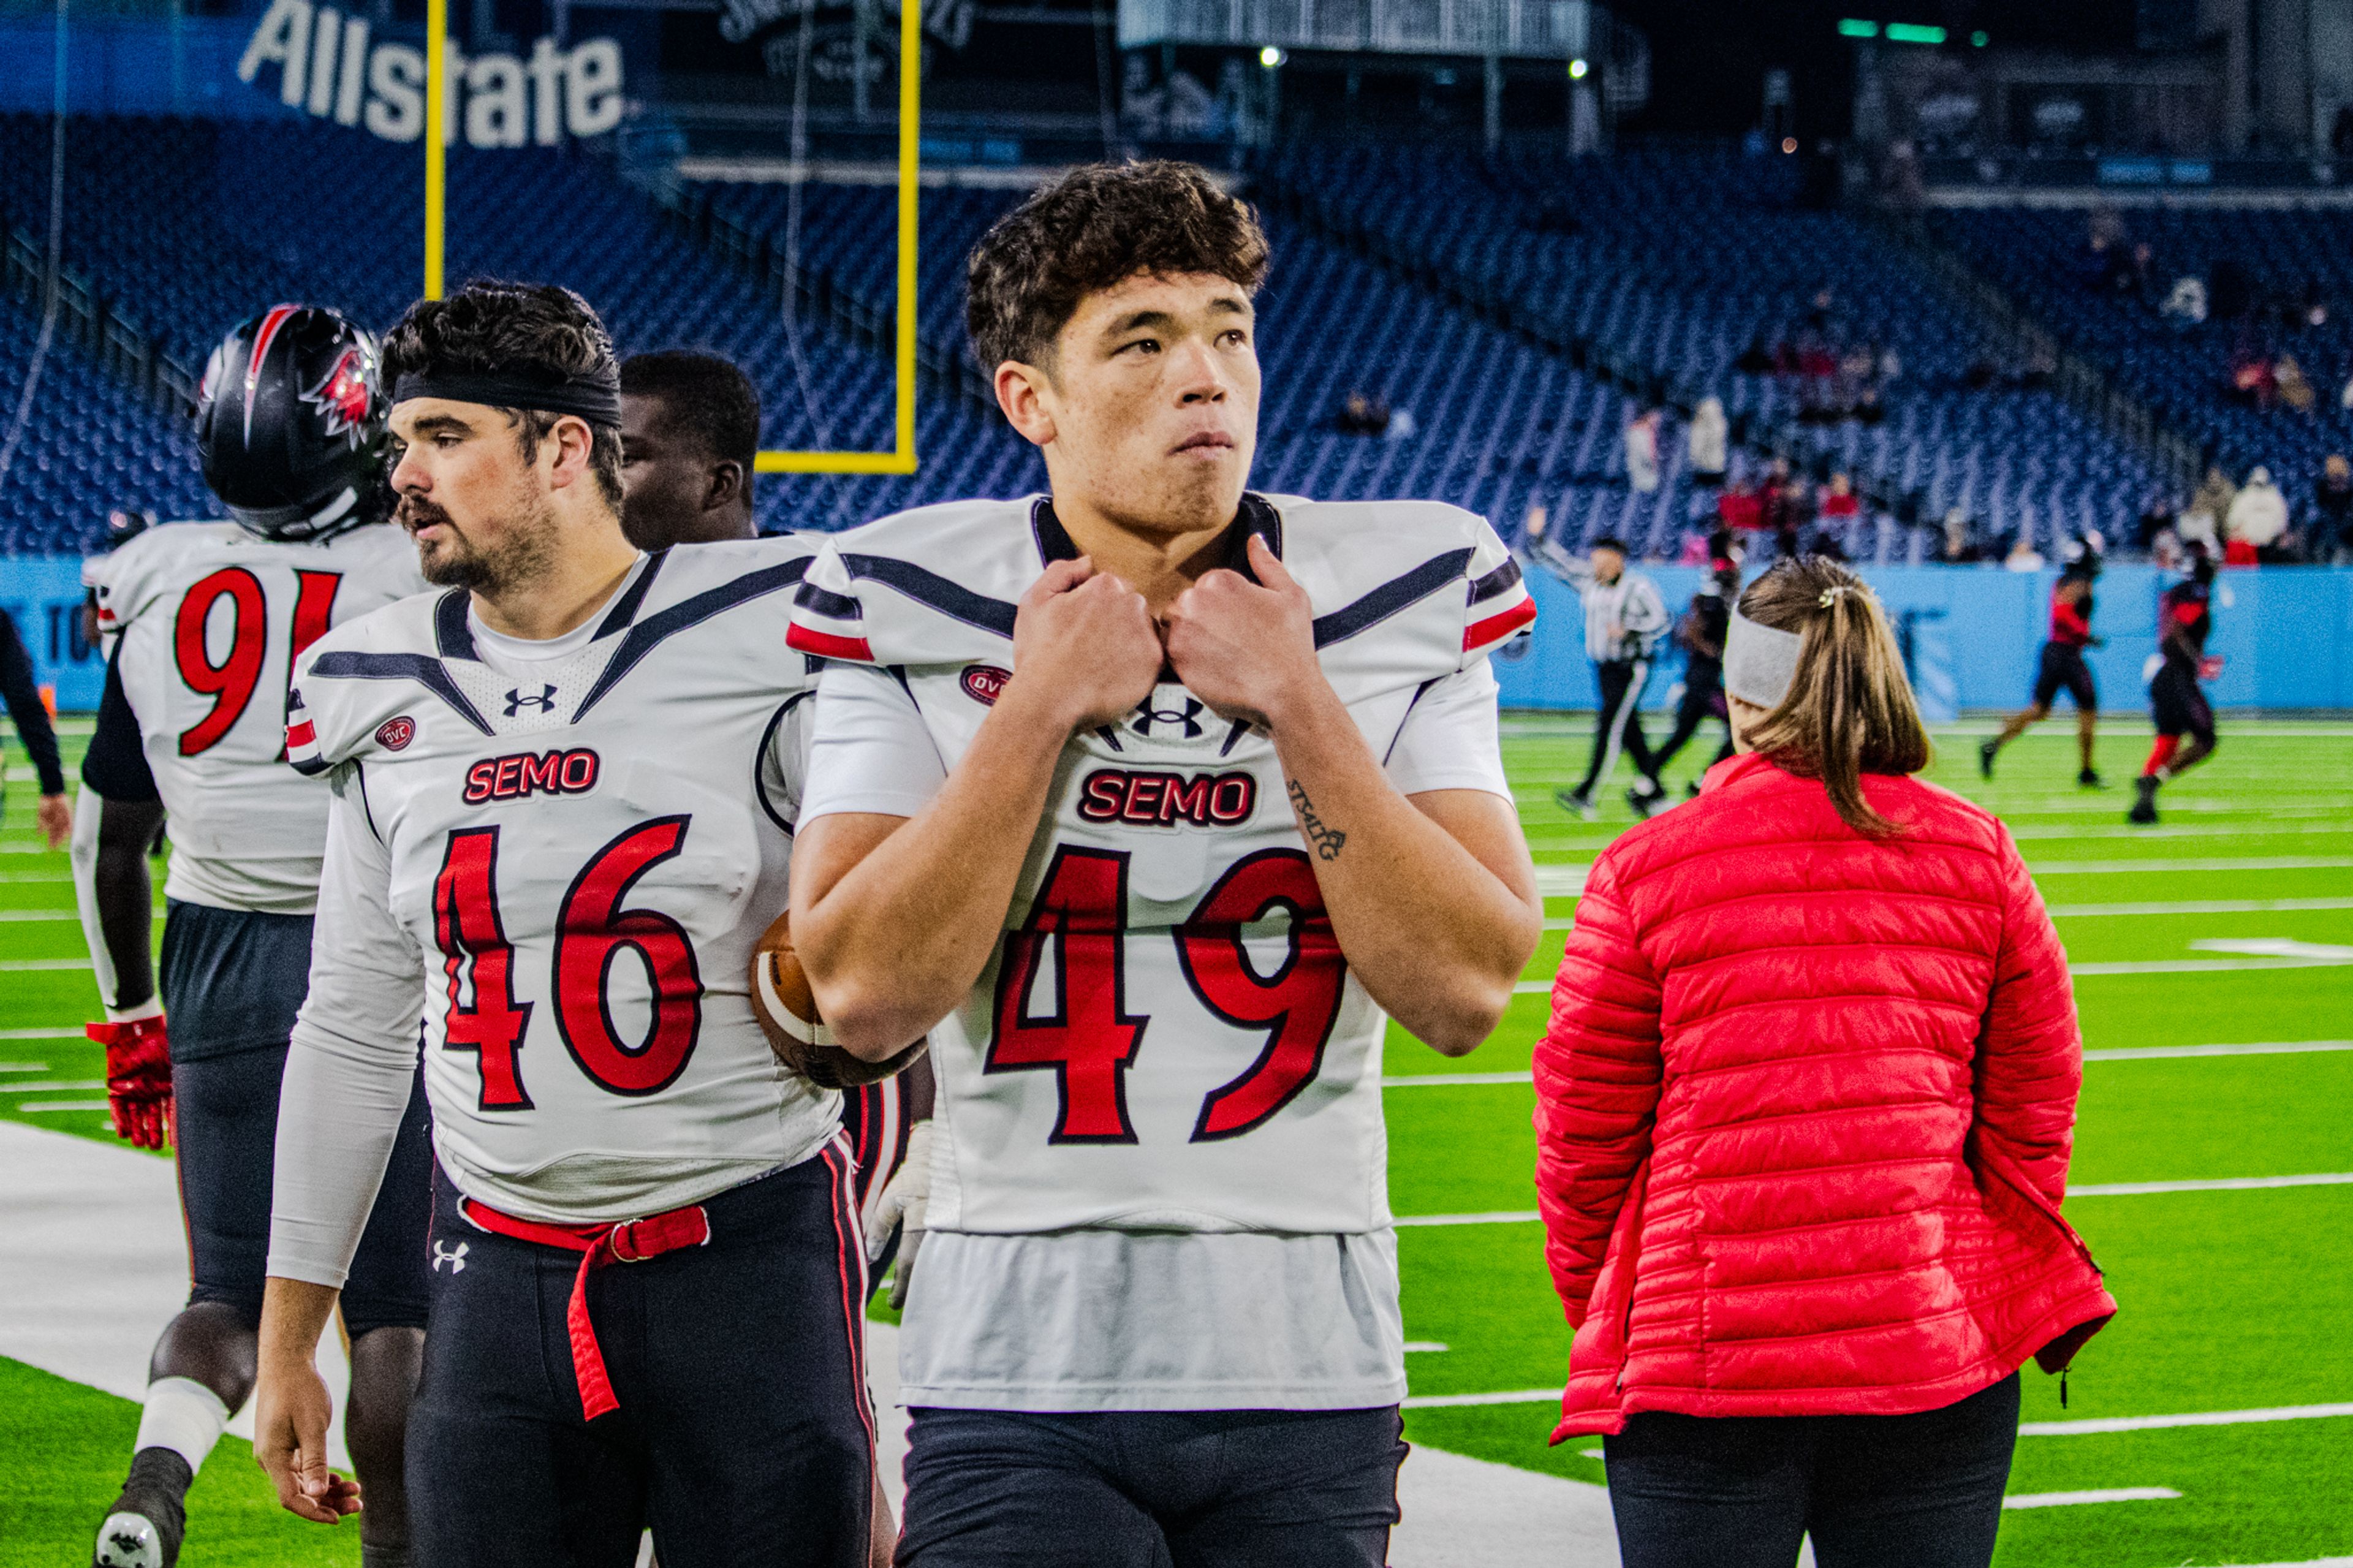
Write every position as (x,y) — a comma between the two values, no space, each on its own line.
(632,1241)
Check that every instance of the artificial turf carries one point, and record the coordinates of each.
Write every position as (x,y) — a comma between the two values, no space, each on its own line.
(2231,1300)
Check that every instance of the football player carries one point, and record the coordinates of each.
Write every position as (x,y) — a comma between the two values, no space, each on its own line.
(2062,669)
(2185,618)
(206,620)
(1152,799)
(562,789)
(689,437)
(1702,632)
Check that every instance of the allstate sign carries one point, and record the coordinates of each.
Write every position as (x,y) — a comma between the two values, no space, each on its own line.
(329,67)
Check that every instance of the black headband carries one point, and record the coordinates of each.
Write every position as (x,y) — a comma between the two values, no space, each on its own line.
(598,400)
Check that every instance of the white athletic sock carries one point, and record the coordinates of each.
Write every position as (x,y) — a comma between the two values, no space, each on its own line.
(183,1416)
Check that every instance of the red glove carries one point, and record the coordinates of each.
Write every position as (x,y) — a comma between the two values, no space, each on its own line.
(2210,666)
(138,1079)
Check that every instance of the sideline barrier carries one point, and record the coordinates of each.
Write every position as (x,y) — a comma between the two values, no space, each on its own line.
(2286,632)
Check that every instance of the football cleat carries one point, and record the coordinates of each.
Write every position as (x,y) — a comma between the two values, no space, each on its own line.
(1986,750)
(1575,802)
(2144,807)
(1647,805)
(2088,779)
(141,1534)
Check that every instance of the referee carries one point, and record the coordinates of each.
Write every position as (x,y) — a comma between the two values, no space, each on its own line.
(2062,669)
(1624,618)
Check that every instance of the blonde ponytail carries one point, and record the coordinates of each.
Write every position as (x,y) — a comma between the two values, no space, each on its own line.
(1850,709)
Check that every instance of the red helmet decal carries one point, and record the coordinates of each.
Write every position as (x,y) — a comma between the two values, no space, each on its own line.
(263,336)
(343,396)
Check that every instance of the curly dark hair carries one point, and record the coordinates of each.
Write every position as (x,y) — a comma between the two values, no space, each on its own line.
(538,331)
(1092,229)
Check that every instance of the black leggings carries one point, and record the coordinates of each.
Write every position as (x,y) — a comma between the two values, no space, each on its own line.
(1873,1491)
(1618,725)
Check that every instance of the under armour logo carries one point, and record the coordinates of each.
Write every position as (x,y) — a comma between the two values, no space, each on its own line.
(455,1256)
(516,700)
(1146,715)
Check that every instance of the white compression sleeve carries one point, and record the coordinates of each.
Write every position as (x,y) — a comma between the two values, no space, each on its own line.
(83,855)
(353,1054)
(183,1416)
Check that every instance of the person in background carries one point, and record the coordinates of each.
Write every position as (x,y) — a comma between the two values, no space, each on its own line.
(1708,441)
(2257,518)
(2023,556)
(1642,452)
(2185,619)
(54,816)
(1840,509)
(2201,521)
(1739,508)
(1624,618)
(1701,633)
(1800,1177)
(2295,390)
(1960,548)
(1363,415)
(2332,502)
(2159,517)
(690,433)
(2062,667)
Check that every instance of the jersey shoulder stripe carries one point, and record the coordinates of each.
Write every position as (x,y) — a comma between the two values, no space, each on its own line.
(643,637)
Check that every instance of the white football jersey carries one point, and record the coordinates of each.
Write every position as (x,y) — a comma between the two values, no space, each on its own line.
(1168,1036)
(576,864)
(210,620)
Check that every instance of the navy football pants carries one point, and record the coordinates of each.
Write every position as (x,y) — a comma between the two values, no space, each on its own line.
(1210,1489)
(743,1435)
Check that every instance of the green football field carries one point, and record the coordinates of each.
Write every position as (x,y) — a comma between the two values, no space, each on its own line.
(2230,925)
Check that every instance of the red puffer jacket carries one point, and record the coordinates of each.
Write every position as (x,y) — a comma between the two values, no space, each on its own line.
(1804,1110)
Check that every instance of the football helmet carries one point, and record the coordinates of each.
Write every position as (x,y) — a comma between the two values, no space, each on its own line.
(291,421)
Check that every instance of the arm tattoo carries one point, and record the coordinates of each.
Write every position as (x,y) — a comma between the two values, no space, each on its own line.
(1326,840)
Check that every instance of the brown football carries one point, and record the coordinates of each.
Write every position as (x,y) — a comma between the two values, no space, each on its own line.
(788,1015)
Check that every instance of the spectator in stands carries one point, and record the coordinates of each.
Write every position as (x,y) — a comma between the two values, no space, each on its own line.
(2023,556)
(54,815)
(2294,390)
(2157,517)
(1800,1168)
(2255,521)
(1361,415)
(1709,441)
(2332,505)
(1642,452)
(2186,305)
(1755,360)
(1960,547)
(2201,521)
(1740,508)
(1839,509)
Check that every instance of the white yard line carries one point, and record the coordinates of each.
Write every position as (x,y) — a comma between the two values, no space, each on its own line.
(2219,1184)
(2198,1418)
(53,1086)
(73,1033)
(2261,1048)
(2199,907)
(38,915)
(2195,830)
(46,1107)
(1494,1217)
(2205,965)
(35,876)
(41,965)
(2120,1053)
(2069,1500)
(2248,863)
(24,1067)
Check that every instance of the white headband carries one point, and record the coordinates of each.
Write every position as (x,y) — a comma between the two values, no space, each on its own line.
(1760,662)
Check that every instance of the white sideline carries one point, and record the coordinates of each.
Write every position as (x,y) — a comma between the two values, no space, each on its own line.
(95,1266)
(2249,863)
(98,1264)
(2225,1184)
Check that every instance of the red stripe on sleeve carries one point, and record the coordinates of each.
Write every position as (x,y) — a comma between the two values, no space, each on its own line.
(301,735)
(1495,628)
(824,645)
